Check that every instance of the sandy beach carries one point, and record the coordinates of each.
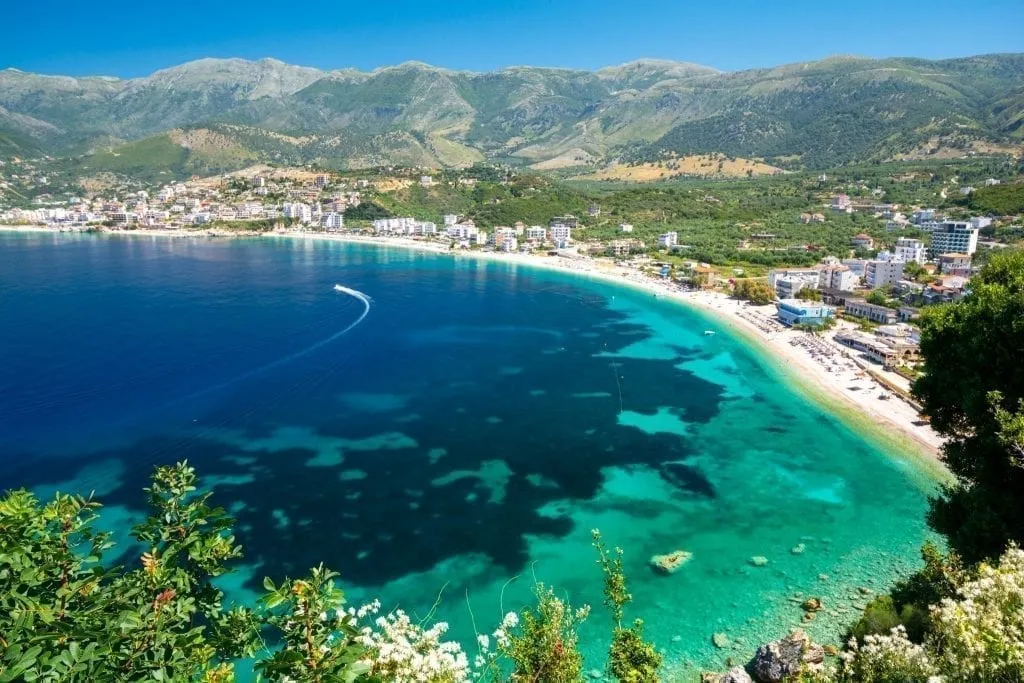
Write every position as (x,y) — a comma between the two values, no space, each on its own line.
(817,362)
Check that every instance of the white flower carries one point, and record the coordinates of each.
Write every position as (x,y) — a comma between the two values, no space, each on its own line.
(887,657)
(981,635)
(402,651)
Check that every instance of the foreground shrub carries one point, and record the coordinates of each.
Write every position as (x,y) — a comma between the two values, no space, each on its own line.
(399,650)
(879,617)
(980,635)
(975,637)
(631,659)
(887,659)
(65,616)
(544,646)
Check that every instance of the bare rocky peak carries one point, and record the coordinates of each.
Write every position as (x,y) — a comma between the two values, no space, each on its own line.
(653,66)
(262,78)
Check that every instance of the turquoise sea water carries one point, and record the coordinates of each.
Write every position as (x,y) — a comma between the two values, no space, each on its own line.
(459,432)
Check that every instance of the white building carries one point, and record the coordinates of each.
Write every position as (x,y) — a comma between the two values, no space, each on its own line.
(625,227)
(954,237)
(841,202)
(536,233)
(333,221)
(883,273)
(505,239)
(837,277)
(426,181)
(400,226)
(450,219)
(668,239)
(981,222)
(862,241)
(910,250)
(787,287)
(922,216)
(898,222)
(806,277)
(508,242)
(561,235)
(298,210)
(462,231)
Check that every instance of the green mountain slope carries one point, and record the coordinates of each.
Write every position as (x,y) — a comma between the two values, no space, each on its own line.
(844,109)
(814,114)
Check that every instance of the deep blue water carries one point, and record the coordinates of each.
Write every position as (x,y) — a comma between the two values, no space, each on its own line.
(471,428)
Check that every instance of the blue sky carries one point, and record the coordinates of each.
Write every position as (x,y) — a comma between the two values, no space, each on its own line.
(122,38)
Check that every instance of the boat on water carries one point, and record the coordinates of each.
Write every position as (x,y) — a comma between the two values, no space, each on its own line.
(709,333)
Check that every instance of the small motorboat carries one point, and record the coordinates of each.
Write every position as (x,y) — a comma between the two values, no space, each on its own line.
(709,333)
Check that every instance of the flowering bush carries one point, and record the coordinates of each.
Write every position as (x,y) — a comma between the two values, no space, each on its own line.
(887,659)
(976,636)
(980,636)
(399,650)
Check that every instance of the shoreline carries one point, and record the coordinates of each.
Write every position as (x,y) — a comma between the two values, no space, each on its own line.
(822,371)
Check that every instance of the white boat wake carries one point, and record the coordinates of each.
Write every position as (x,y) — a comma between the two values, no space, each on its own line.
(302,352)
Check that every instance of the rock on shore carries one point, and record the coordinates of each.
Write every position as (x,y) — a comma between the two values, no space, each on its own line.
(784,659)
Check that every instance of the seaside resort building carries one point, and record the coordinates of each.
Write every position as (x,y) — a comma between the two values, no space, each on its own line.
(798,312)
(887,350)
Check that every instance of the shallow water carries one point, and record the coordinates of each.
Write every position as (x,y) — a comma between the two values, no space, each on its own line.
(472,428)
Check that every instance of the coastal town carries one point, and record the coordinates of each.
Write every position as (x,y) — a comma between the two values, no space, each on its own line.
(848,320)
(512,342)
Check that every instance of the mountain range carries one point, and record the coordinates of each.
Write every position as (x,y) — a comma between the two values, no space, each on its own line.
(217,113)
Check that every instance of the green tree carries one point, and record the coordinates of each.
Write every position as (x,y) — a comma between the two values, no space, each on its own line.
(545,645)
(972,390)
(368,211)
(808,294)
(757,292)
(877,297)
(914,271)
(319,637)
(63,615)
(631,659)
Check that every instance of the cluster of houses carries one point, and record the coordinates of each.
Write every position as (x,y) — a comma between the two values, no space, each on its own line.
(194,204)
(892,343)
(465,234)
(845,284)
